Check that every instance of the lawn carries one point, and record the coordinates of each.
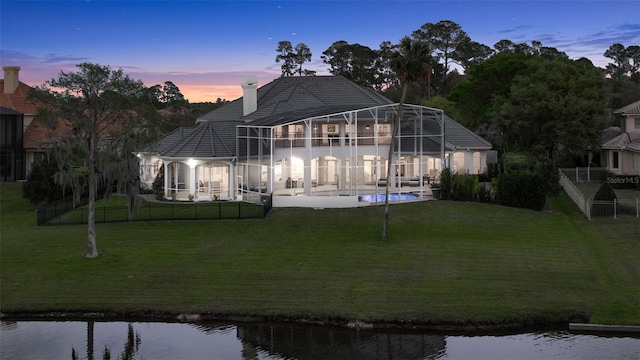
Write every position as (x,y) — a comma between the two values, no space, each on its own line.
(444,263)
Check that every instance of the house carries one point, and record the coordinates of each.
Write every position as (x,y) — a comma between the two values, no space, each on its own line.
(621,145)
(18,152)
(316,141)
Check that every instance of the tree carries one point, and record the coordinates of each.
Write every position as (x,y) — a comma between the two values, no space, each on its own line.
(445,36)
(470,53)
(486,80)
(620,66)
(302,55)
(292,61)
(626,61)
(410,61)
(97,118)
(285,54)
(557,105)
(337,56)
(384,74)
(171,94)
(356,62)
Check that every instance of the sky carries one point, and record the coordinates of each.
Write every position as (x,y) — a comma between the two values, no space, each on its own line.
(205,47)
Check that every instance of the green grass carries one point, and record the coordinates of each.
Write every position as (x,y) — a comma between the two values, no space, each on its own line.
(444,262)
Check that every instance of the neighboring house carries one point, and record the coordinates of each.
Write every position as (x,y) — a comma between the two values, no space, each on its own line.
(316,141)
(621,145)
(18,152)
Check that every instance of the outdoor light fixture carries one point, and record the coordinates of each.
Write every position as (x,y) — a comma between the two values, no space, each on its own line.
(367,127)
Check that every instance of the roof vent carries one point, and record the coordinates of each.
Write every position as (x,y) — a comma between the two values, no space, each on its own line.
(249,94)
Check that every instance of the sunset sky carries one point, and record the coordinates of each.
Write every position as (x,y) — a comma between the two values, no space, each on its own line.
(205,47)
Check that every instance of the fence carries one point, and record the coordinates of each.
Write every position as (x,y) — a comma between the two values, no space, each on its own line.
(575,194)
(585,175)
(591,208)
(62,212)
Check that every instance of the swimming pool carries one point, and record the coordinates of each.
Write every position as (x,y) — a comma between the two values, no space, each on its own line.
(392,197)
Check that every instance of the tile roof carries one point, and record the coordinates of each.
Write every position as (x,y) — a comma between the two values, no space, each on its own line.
(17,100)
(631,109)
(37,134)
(624,141)
(456,137)
(286,100)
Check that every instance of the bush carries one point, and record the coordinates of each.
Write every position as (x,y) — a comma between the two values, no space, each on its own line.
(606,195)
(446,184)
(40,187)
(158,182)
(464,187)
(521,189)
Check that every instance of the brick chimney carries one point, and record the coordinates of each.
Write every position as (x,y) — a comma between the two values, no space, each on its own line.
(249,94)
(11,79)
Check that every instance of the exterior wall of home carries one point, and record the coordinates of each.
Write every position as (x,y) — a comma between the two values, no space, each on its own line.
(628,162)
(630,123)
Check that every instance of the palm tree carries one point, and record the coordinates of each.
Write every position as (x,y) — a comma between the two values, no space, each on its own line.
(410,61)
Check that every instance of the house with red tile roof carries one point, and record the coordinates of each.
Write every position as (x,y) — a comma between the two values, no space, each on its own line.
(17,116)
(24,138)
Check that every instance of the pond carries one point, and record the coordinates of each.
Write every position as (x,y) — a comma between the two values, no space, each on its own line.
(157,340)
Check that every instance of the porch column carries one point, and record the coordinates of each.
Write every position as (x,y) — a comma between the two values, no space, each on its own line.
(307,160)
(483,161)
(231,179)
(193,189)
(167,180)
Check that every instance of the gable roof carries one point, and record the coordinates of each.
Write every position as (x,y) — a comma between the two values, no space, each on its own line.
(624,141)
(631,109)
(17,100)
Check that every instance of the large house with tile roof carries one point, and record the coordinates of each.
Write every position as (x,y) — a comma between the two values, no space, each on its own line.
(621,144)
(316,141)
(19,148)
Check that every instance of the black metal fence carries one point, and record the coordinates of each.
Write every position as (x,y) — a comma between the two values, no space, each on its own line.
(63,213)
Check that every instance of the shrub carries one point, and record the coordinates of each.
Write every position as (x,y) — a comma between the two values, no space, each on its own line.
(464,187)
(603,201)
(40,187)
(158,182)
(605,193)
(446,184)
(521,189)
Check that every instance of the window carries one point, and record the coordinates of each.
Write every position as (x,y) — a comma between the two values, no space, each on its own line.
(616,160)
(637,123)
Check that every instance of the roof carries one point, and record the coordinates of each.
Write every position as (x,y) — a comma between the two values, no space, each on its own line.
(299,93)
(7,111)
(624,141)
(631,109)
(203,141)
(17,100)
(290,99)
(456,137)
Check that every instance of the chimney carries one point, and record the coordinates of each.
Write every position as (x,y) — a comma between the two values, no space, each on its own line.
(11,79)
(249,94)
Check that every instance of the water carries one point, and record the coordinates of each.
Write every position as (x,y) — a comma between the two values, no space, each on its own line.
(392,197)
(156,340)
